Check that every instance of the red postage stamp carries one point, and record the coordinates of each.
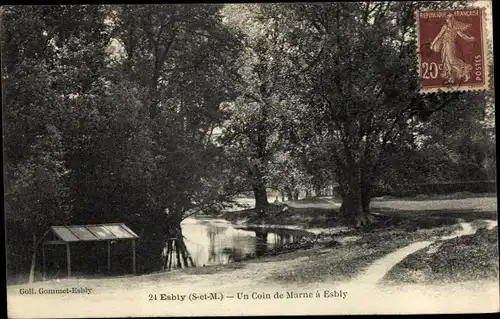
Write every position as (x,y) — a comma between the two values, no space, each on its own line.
(452,53)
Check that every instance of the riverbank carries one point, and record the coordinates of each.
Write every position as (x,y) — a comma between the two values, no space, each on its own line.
(306,216)
(328,257)
(331,267)
(324,212)
(404,216)
(372,266)
(400,222)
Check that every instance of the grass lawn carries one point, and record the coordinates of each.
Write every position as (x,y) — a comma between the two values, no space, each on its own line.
(346,261)
(400,223)
(340,262)
(470,257)
(296,216)
(462,258)
(328,260)
(323,212)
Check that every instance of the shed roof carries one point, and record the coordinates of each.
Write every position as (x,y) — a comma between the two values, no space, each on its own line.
(74,233)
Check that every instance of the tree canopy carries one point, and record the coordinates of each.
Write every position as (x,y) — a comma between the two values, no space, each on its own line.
(148,114)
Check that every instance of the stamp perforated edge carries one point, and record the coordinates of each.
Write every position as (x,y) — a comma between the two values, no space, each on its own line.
(484,37)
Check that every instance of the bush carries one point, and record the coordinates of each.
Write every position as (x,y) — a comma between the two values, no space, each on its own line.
(412,190)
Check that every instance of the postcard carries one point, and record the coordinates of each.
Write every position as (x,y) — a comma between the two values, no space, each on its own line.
(234,159)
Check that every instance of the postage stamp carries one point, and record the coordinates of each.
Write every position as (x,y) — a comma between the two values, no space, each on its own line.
(452,54)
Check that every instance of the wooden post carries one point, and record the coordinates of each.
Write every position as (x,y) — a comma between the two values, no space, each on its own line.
(109,256)
(43,262)
(68,259)
(133,256)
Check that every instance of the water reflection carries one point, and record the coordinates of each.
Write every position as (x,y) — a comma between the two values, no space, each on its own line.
(216,241)
(213,231)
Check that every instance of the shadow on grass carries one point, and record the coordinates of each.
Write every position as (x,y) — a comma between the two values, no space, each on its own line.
(432,197)
(309,252)
(317,200)
(469,257)
(345,261)
(176,274)
(465,214)
(213,269)
(338,264)
(297,216)
(388,217)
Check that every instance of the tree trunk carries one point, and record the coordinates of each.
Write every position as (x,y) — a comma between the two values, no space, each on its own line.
(33,261)
(318,191)
(260,195)
(261,246)
(356,205)
(175,239)
(336,191)
(366,197)
(167,263)
(289,194)
(259,188)
(308,194)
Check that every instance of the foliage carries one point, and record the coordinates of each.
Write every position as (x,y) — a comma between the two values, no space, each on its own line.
(363,89)
(147,114)
(41,74)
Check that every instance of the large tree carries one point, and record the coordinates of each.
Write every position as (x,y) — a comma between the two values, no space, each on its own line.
(257,133)
(51,54)
(181,59)
(364,89)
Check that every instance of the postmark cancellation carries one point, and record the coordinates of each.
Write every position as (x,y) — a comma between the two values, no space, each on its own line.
(452,50)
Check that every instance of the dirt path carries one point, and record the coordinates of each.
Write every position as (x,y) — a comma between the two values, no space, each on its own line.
(130,296)
(375,272)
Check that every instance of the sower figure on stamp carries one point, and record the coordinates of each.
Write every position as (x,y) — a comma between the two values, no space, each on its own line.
(445,42)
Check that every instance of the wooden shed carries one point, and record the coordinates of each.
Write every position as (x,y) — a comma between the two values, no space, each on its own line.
(74,234)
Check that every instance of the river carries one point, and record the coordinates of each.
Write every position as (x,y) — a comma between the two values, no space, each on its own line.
(216,241)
